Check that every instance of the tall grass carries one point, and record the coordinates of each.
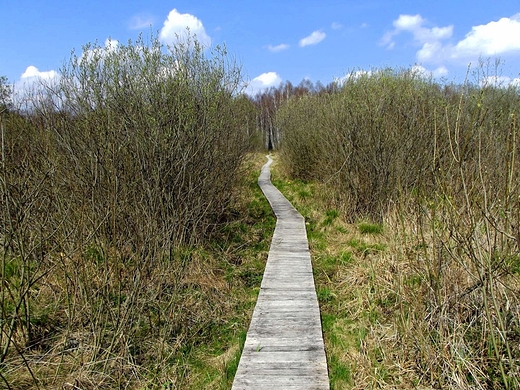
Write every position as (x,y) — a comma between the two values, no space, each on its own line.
(109,178)
(439,165)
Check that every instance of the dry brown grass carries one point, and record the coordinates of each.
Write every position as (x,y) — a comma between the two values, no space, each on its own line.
(123,230)
(113,323)
(433,301)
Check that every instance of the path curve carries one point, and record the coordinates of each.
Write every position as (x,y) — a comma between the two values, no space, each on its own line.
(284,345)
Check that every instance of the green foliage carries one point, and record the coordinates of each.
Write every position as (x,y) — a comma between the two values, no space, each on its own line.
(115,187)
(5,94)
(438,167)
(370,228)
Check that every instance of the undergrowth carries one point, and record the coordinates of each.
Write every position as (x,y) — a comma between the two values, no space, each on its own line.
(346,259)
(101,322)
(131,234)
(427,177)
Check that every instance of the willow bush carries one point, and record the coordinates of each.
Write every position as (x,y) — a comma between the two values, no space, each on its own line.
(108,175)
(365,136)
(439,165)
(158,128)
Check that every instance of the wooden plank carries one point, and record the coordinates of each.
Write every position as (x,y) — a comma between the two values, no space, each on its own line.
(284,345)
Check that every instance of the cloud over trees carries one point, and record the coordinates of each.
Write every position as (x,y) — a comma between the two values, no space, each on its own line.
(491,39)
(176,25)
(262,82)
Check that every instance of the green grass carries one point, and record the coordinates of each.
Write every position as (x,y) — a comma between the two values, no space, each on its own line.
(248,241)
(370,228)
(348,311)
(340,372)
(189,316)
(330,216)
(360,246)
(242,246)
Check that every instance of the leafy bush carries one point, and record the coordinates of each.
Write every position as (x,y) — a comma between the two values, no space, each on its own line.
(116,168)
(438,164)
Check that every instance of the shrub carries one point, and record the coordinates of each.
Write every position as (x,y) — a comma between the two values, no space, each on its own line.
(106,177)
(438,164)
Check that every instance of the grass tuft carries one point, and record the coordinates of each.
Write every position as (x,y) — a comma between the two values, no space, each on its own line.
(370,228)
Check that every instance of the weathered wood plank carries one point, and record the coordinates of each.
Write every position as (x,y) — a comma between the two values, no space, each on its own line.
(284,345)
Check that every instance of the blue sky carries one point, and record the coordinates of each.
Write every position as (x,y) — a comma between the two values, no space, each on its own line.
(274,41)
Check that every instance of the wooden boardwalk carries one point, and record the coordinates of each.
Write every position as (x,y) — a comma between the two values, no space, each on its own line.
(284,345)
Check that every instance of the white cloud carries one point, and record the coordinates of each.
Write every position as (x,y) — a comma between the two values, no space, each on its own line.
(336,26)
(262,82)
(414,24)
(430,52)
(441,71)
(313,39)
(277,48)
(139,22)
(28,88)
(174,28)
(32,79)
(268,79)
(501,82)
(408,22)
(354,75)
(32,73)
(490,39)
(421,71)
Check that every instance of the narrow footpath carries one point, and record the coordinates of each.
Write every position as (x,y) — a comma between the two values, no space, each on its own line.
(284,345)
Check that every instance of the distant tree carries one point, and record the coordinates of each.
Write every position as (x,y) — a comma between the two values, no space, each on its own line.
(306,87)
(271,100)
(5,94)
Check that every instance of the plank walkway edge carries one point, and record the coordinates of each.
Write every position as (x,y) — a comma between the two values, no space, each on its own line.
(284,344)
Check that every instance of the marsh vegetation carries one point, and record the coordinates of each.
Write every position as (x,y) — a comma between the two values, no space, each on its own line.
(134,235)
(423,287)
(124,216)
